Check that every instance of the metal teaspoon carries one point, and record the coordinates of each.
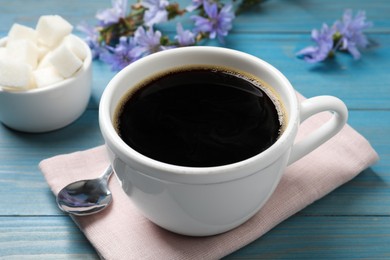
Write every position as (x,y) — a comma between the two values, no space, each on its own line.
(86,197)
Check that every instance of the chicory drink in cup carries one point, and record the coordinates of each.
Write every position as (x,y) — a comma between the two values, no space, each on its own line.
(199,137)
(200,116)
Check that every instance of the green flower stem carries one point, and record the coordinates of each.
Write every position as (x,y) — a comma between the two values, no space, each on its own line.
(124,27)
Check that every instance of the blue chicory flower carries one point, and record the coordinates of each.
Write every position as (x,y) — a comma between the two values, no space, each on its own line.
(148,41)
(156,11)
(92,37)
(351,30)
(216,24)
(345,35)
(194,5)
(122,54)
(324,41)
(112,15)
(184,37)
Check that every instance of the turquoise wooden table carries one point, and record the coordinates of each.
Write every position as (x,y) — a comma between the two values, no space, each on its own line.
(351,222)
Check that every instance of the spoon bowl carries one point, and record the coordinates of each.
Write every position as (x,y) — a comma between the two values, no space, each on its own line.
(86,197)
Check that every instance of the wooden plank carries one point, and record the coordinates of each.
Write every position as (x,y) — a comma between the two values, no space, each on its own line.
(299,237)
(302,16)
(43,238)
(102,74)
(273,16)
(322,238)
(20,179)
(369,192)
(27,12)
(360,84)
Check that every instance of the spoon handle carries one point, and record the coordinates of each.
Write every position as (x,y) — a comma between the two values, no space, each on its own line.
(107,173)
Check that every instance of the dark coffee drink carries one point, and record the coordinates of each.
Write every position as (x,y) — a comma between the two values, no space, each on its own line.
(200,117)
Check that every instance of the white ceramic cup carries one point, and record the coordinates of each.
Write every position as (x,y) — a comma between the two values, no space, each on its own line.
(201,201)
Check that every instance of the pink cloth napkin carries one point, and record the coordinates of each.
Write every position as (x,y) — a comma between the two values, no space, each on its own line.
(121,232)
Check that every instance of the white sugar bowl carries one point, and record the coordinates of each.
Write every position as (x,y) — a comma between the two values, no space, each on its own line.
(51,107)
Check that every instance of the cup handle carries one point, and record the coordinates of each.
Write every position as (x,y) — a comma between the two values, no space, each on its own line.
(310,107)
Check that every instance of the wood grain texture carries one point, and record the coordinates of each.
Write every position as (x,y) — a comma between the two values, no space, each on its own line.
(351,222)
(309,238)
(352,81)
(299,237)
(275,16)
(43,238)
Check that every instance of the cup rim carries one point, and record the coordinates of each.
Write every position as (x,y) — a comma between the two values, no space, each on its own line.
(170,172)
(87,62)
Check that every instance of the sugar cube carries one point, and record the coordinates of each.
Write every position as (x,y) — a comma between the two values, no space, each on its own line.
(52,29)
(15,74)
(46,76)
(65,61)
(3,53)
(73,43)
(24,51)
(22,32)
(42,51)
(45,61)
(41,57)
